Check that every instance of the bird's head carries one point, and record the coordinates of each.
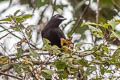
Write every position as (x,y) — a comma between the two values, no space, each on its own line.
(57,19)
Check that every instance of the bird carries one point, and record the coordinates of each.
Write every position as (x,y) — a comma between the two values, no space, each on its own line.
(52,32)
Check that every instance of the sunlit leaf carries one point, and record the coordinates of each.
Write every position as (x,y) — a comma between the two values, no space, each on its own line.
(26,16)
(113,24)
(3,59)
(106,49)
(6,19)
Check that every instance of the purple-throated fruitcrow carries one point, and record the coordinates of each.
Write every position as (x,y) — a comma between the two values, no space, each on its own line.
(52,32)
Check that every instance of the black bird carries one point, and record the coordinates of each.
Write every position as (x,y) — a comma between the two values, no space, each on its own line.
(52,32)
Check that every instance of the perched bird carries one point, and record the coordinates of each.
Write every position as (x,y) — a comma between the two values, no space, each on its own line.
(52,32)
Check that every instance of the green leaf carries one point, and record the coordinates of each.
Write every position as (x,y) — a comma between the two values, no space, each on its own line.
(106,26)
(62,74)
(108,71)
(83,24)
(19,52)
(28,30)
(72,70)
(84,62)
(90,70)
(46,41)
(18,27)
(26,16)
(17,67)
(47,73)
(60,64)
(116,53)
(60,6)
(102,69)
(33,53)
(40,3)
(106,49)
(96,79)
(20,18)
(56,49)
(78,45)
(116,34)
(6,19)
(105,3)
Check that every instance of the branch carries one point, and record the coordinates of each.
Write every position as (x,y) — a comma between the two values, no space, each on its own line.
(117,5)
(1,73)
(80,18)
(42,15)
(5,35)
(10,32)
(17,36)
(6,67)
(97,12)
(54,7)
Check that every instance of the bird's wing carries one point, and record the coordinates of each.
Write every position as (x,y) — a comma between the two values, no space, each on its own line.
(55,36)
(59,32)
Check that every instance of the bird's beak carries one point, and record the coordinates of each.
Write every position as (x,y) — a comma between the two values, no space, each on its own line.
(62,18)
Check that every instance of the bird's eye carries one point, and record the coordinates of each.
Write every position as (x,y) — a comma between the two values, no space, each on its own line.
(56,16)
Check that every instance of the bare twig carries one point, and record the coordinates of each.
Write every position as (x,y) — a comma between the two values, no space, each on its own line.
(1,73)
(5,35)
(42,13)
(47,61)
(80,18)
(9,6)
(10,32)
(54,7)
(97,12)
(16,36)
(117,5)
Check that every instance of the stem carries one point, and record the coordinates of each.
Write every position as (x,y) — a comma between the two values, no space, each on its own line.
(97,12)
(1,73)
(80,18)
(54,6)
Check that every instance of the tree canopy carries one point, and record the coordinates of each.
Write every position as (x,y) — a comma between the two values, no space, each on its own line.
(92,50)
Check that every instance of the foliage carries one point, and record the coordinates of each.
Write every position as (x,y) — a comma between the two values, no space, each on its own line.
(76,60)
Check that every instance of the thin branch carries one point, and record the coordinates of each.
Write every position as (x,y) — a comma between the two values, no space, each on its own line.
(97,12)
(54,7)
(80,18)
(117,5)
(9,6)
(42,13)
(10,32)
(5,35)
(16,36)
(1,73)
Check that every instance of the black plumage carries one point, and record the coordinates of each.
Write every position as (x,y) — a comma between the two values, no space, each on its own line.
(52,32)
